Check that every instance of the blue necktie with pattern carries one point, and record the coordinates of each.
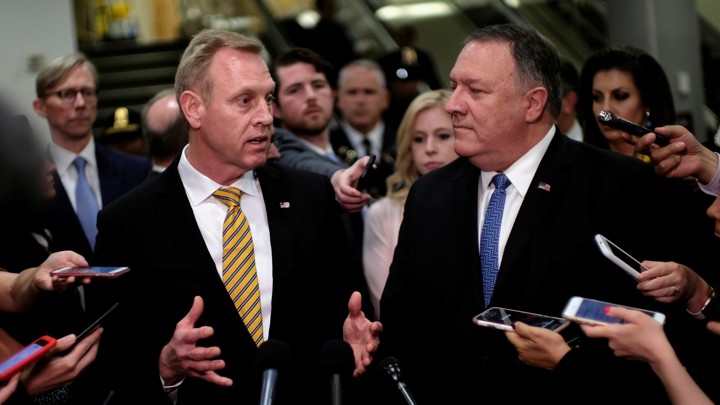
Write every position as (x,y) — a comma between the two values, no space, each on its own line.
(490,235)
(85,202)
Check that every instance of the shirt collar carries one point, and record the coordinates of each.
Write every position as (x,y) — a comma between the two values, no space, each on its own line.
(356,137)
(523,170)
(63,158)
(199,187)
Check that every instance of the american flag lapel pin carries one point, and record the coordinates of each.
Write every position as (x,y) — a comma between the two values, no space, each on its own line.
(544,186)
(284,204)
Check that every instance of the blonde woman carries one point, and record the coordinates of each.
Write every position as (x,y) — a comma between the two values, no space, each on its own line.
(425,142)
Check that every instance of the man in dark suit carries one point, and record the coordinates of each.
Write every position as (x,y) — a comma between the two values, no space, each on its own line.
(195,345)
(67,97)
(362,96)
(560,194)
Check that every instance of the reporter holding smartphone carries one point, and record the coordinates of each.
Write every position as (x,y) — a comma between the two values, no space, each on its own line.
(642,338)
(51,375)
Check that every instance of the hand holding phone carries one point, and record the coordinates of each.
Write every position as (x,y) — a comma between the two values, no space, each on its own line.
(504,318)
(618,256)
(26,356)
(90,328)
(90,271)
(363,176)
(592,312)
(613,121)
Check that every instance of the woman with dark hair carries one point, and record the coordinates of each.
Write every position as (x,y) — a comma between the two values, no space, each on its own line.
(629,83)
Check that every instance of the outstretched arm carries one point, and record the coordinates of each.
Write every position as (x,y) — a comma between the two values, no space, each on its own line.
(683,157)
(643,338)
(22,289)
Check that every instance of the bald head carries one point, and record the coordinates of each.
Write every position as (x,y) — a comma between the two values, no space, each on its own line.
(164,128)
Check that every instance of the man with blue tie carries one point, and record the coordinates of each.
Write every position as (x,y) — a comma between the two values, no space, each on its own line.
(89,176)
(510,224)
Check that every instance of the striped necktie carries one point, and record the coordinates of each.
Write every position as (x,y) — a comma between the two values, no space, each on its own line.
(490,235)
(239,272)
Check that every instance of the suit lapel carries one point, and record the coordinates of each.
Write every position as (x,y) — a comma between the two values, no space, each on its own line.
(554,170)
(278,194)
(175,214)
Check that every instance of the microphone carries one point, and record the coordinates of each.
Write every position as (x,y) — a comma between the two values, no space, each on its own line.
(337,359)
(272,357)
(392,367)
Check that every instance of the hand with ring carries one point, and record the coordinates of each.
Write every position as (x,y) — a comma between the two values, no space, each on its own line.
(670,282)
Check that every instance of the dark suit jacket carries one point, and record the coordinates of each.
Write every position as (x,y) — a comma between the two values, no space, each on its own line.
(153,231)
(435,284)
(385,162)
(119,172)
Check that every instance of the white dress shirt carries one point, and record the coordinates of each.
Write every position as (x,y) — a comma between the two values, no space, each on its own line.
(520,175)
(210,216)
(374,136)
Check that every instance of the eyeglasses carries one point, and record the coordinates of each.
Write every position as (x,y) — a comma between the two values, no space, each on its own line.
(68,95)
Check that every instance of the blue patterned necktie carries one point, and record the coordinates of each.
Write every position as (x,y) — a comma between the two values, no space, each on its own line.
(490,235)
(85,202)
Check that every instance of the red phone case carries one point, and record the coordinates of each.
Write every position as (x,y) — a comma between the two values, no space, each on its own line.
(26,356)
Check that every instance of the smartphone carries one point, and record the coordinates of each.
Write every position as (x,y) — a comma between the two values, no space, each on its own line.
(90,328)
(618,256)
(25,356)
(613,121)
(503,319)
(363,176)
(90,271)
(592,312)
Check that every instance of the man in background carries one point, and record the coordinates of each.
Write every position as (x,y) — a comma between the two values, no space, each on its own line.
(164,129)
(362,97)
(89,176)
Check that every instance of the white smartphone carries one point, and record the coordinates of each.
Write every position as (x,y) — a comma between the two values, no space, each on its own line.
(592,312)
(90,271)
(503,319)
(619,257)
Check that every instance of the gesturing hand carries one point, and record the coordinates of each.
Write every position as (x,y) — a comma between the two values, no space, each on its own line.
(181,357)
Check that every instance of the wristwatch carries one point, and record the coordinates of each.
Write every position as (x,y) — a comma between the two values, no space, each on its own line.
(701,313)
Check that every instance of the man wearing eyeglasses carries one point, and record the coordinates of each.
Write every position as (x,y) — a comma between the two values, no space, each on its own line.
(88,175)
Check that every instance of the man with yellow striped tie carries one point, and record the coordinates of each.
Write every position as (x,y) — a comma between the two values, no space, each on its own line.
(226,251)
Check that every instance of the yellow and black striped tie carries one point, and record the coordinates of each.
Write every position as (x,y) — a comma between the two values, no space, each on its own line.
(239,272)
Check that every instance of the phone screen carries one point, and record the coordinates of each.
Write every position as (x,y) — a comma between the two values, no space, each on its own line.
(90,271)
(595,310)
(20,356)
(509,316)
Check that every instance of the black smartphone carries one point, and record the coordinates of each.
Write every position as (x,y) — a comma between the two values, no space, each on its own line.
(363,177)
(90,328)
(613,121)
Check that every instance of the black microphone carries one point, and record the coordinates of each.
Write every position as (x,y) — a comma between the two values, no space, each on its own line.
(392,367)
(272,357)
(338,360)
